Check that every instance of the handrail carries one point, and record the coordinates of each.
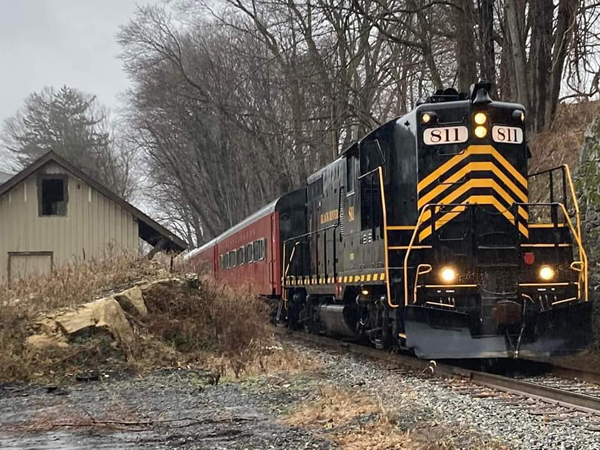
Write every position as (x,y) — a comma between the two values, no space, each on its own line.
(542,172)
(292,254)
(584,269)
(429,269)
(574,197)
(583,254)
(567,175)
(386,261)
(410,246)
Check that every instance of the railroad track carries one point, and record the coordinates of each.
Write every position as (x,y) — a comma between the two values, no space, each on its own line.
(552,397)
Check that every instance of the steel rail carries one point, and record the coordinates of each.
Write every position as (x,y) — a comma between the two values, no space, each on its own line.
(572,400)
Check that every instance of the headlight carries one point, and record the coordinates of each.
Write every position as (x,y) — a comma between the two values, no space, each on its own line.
(480,132)
(448,274)
(480,118)
(547,273)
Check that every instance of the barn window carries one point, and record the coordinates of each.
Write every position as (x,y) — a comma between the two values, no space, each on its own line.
(52,195)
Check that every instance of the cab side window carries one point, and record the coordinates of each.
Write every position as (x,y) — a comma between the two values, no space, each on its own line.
(371,157)
(350,174)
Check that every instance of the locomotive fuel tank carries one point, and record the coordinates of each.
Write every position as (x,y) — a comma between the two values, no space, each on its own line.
(339,319)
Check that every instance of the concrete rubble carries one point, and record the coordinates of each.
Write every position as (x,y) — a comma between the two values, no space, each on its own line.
(108,315)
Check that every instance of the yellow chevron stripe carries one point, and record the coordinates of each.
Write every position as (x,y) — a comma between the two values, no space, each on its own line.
(523,213)
(476,183)
(472,150)
(502,160)
(474,199)
(441,170)
(471,167)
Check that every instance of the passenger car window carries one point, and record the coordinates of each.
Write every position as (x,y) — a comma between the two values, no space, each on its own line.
(240,256)
(262,249)
(249,253)
(256,250)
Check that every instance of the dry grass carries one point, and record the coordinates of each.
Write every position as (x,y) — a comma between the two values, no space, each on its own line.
(340,410)
(199,325)
(561,144)
(68,286)
(355,420)
(209,320)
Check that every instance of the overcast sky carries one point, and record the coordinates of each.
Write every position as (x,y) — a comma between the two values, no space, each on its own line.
(56,42)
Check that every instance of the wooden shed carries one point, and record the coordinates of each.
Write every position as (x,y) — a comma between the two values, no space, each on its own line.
(52,213)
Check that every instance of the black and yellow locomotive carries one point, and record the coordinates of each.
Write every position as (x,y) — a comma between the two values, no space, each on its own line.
(422,235)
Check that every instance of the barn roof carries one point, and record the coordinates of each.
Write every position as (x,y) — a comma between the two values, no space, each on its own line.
(4,177)
(149,230)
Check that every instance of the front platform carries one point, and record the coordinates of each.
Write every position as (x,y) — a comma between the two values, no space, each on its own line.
(446,334)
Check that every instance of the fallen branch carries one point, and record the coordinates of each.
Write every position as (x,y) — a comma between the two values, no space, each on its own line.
(121,424)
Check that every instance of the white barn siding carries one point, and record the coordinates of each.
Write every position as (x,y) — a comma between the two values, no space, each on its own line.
(94,224)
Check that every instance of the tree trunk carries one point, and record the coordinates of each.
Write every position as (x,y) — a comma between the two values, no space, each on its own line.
(517,47)
(540,60)
(562,40)
(486,38)
(465,53)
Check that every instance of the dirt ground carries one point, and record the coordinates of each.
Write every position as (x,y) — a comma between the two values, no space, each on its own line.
(163,410)
(325,405)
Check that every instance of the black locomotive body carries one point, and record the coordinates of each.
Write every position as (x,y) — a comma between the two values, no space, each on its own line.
(422,235)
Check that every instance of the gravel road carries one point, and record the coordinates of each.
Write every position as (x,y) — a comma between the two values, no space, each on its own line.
(177,409)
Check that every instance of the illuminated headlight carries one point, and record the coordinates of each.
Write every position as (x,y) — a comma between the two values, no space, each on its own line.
(480,132)
(547,273)
(480,118)
(448,275)
(426,118)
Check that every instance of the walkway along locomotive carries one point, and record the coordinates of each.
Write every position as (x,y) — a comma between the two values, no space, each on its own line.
(422,235)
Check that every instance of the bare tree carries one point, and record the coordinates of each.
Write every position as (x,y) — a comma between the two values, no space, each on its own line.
(76,127)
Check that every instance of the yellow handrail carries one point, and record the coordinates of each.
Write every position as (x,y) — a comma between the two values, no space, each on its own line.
(574,197)
(385,241)
(410,246)
(429,268)
(582,253)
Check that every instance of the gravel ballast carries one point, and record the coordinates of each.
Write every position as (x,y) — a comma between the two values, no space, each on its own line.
(419,397)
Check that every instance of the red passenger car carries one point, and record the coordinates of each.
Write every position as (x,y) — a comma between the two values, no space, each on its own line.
(249,254)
